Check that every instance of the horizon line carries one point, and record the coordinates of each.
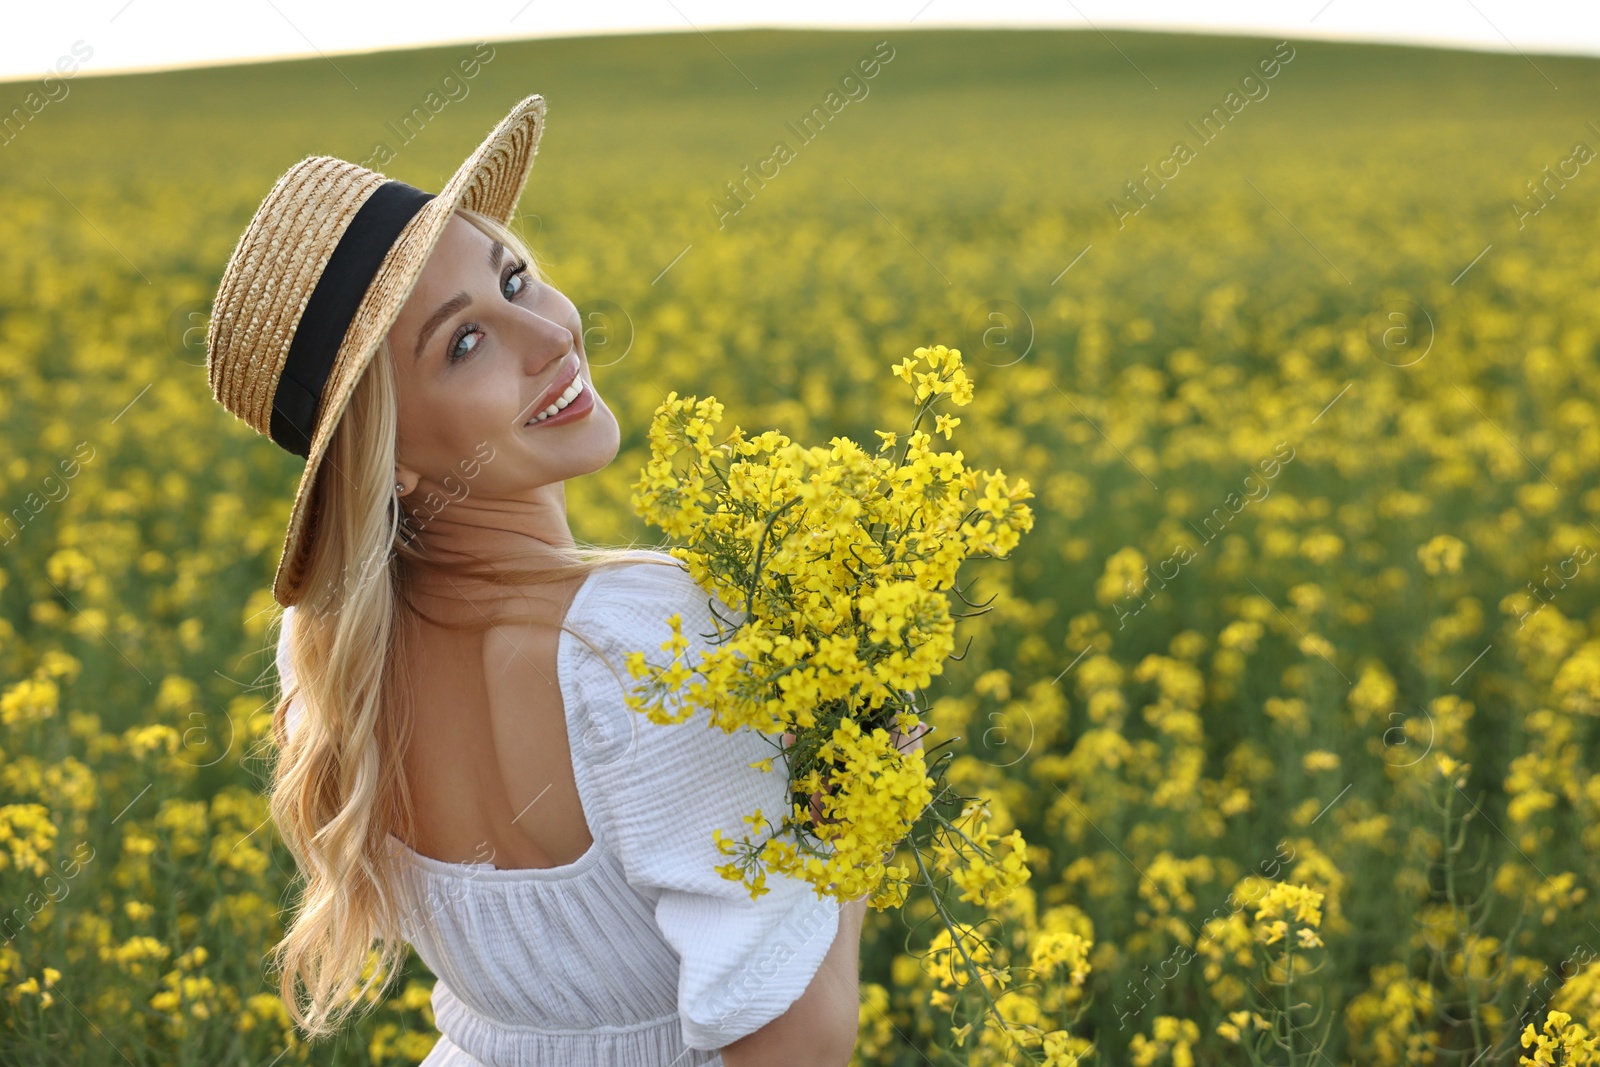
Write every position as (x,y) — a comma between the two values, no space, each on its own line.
(1191,30)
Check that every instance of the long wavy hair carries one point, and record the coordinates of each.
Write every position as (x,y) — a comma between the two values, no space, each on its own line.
(337,784)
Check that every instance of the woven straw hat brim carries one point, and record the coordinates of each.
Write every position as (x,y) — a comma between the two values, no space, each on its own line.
(490,181)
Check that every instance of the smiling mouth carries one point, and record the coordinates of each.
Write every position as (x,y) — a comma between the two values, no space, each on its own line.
(573,390)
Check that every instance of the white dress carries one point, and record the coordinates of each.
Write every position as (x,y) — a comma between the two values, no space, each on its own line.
(637,954)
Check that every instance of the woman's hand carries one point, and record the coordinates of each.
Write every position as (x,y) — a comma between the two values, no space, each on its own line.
(913,743)
(821,1026)
(816,798)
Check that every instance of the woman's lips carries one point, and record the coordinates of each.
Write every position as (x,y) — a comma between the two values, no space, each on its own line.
(581,405)
(555,389)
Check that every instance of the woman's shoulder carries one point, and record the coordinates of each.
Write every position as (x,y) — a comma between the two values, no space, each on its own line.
(630,610)
(642,593)
(644,566)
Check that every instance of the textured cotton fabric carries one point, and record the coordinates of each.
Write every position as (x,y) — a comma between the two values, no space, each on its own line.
(638,954)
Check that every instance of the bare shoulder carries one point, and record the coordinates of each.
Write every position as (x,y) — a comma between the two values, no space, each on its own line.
(530,743)
(516,655)
(521,652)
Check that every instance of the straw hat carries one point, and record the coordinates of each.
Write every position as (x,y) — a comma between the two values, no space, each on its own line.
(317,281)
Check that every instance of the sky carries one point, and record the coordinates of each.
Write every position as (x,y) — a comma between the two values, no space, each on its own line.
(114,36)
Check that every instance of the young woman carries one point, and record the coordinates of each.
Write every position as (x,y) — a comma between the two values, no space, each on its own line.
(457,768)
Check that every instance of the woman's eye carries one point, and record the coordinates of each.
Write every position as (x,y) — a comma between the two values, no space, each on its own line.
(519,272)
(456,351)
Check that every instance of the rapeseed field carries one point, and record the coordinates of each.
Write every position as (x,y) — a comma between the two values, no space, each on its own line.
(1293,689)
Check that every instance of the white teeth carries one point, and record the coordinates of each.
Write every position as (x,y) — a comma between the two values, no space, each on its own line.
(567,396)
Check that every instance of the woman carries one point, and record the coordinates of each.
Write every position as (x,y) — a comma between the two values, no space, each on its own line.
(457,768)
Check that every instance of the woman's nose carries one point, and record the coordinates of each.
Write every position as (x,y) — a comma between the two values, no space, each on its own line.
(543,341)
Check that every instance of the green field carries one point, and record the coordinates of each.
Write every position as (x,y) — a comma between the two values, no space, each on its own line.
(1381,264)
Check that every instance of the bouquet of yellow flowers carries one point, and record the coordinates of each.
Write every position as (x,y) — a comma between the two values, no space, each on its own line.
(840,561)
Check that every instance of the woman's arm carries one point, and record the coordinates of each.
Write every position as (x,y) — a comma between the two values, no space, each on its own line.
(819,1029)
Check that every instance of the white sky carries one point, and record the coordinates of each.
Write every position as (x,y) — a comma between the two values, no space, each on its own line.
(143,34)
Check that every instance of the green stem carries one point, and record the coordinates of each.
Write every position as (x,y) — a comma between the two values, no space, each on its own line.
(1288,991)
(957,830)
(923,407)
(955,939)
(755,570)
(1450,850)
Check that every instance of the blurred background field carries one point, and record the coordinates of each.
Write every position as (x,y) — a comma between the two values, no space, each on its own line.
(1340,276)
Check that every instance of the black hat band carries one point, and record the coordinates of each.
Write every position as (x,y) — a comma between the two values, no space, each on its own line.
(332,305)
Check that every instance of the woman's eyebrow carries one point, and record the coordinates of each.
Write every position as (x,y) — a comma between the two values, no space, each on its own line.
(444,311)
(456,303)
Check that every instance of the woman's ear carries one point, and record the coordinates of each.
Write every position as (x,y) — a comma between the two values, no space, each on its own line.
(405,479)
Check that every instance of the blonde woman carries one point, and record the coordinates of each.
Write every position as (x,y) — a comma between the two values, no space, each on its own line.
(457,770)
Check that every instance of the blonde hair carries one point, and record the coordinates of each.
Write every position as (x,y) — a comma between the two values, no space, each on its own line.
(337,785)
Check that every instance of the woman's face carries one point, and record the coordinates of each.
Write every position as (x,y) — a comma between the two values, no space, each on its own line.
(478,350)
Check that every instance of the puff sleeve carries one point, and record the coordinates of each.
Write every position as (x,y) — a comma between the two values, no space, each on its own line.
(661,790)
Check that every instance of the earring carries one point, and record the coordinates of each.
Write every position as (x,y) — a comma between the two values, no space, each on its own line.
(399,489)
